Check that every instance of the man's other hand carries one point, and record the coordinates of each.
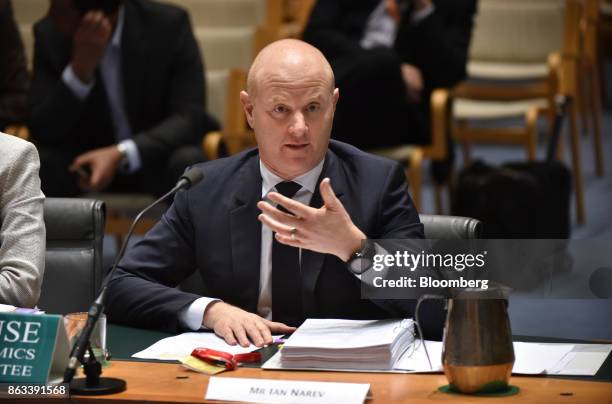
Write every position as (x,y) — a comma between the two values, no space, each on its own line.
(413,79)
(102,163)
(328,229)
(88,44)
(421,4)
(235,325)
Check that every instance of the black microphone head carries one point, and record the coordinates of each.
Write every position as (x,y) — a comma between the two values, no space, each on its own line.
(191,177)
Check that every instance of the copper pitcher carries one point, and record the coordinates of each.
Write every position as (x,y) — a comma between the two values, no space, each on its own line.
(477,353)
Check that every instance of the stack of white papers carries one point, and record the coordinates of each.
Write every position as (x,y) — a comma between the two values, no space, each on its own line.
(348,344)
(531,358)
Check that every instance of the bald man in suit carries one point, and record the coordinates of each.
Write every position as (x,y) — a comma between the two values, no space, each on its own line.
(273,232)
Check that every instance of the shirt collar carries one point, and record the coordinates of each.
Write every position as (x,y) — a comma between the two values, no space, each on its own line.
(116,39)
(307,180)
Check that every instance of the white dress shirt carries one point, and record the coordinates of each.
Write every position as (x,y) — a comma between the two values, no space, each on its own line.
(110,68)
(381,28)
(191,317)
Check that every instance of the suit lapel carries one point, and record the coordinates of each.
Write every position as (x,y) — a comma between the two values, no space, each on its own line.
(245,232)
(312,262)
(132,58)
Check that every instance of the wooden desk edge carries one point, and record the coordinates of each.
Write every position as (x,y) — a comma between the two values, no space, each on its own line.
(171,383)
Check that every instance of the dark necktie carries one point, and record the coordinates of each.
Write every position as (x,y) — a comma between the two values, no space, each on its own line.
(286,277)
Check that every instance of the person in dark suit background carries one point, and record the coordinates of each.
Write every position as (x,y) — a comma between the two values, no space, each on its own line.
(117,96)
(398,51)
(263,279)
(14,78)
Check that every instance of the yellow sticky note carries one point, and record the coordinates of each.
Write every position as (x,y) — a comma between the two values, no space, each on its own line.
(200,366)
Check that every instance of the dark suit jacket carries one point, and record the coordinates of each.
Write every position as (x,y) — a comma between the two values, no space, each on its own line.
(163,81)
(437,45)
(14,78)
(213,229)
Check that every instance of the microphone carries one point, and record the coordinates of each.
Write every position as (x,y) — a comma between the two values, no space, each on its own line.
(94,384)
(190,178)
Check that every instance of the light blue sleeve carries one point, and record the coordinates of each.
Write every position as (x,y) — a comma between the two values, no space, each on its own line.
(420,15)
(133,155)
(78,88)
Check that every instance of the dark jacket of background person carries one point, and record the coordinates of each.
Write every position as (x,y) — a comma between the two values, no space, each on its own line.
(374,110)
(14,79)
(163,82)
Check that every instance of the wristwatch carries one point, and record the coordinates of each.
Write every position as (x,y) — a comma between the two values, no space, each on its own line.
(361,260)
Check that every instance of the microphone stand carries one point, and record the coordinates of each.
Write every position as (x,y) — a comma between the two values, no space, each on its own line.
(93,384)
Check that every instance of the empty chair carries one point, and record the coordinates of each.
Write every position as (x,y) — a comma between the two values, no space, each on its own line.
(225,13)
(227,47)
(27,12)
(73,262)
(499,54)
(522,54)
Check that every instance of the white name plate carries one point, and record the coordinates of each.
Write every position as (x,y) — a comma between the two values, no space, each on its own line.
(284,391)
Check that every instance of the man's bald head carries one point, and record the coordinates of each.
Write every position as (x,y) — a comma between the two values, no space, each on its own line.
(290,105)
(291,58)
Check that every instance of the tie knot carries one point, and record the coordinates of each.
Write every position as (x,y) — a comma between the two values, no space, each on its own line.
(288,188)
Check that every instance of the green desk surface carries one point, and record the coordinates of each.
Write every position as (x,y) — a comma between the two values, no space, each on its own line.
(124,341)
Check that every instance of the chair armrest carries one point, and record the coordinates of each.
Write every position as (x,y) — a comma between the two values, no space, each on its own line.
(296,14)
(19,130)
(440,110)
(500,92)
(451,227)
(554,70)
(211,145)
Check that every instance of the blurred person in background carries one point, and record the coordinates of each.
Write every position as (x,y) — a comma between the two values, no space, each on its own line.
(14,79)
(118,96)
(388,56)
(22,228)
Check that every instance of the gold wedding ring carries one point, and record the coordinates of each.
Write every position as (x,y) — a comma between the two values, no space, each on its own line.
(292,233)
